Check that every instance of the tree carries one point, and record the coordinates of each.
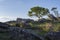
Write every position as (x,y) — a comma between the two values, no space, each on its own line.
(52,17)
(54,9)
(38,11)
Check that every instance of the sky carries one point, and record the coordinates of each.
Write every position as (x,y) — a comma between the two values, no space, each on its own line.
(12,9)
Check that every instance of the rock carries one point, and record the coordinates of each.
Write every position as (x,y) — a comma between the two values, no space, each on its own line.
(17,33)
(53,36)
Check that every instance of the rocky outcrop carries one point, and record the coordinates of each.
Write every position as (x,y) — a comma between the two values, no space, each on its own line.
(52,36)
(17,33)
(4,25)
(23,20)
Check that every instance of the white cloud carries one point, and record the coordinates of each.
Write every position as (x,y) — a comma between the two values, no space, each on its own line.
(6,18)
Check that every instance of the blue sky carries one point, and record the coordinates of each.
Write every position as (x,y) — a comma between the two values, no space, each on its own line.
(11,9)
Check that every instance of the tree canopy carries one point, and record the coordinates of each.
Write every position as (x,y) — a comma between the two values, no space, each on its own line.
(38,11)
(54,9)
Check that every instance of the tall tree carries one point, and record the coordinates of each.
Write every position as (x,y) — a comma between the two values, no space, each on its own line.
(38,11)
(52,17)
(54,9)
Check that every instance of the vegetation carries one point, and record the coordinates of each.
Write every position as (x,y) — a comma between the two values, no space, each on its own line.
(38,11)
(50,24)
(54,9)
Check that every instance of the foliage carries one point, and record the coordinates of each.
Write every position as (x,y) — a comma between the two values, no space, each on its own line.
(38,11)
(18,25)
(56,27)
(54,9)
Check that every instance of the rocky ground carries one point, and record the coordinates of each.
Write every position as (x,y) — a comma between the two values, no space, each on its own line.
(52,36)
(16,33)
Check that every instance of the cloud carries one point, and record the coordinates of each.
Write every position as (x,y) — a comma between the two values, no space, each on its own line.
(6,18)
